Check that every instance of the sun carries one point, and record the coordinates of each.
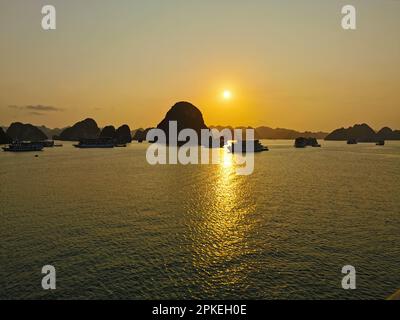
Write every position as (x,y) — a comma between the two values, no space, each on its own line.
(227,95)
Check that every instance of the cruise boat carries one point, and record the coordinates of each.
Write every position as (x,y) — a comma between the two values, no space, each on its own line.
(241,146)
(95,143)
(23,147)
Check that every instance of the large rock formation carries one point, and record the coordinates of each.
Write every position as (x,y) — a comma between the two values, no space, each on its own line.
(25,132)
(50,133)
(137,134)
(302,142)
(4,138)
(108,132)
(281,133)
(141,134)
(123,134)
(86,129)
(360,133)
(186,115)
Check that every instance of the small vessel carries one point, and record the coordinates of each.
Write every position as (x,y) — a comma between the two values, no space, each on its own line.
(244,145)
(95,143)
(352,141)
(120,145)
(380,143)
(23,147)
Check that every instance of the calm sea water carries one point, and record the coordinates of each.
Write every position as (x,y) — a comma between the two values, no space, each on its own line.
(117,228)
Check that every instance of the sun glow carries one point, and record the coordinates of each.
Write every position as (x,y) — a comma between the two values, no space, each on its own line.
(227,95)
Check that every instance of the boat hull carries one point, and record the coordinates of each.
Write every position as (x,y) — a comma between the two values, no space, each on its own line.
(8,149)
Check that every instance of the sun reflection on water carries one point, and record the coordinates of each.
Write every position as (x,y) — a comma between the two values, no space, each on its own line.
(220,240)
(227,159)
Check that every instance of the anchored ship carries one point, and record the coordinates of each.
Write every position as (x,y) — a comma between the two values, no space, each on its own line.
(23,147)
(95,143)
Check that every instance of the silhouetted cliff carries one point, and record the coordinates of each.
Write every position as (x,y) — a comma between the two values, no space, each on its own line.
(388,134)
(302,142)
(4,138)
(25,132)
(108,132)
(123,134)
(141,134)
(186,115)
(86,129)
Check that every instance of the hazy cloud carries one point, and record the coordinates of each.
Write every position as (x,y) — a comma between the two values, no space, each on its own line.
(35,109)
(14,107)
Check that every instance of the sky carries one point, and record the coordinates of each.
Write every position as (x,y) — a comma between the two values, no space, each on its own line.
(286,63)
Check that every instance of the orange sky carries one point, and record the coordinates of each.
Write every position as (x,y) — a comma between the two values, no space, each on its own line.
(287,63)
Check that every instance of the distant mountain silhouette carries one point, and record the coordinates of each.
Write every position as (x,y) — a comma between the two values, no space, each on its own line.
(278,133)
(50,133)
(281,133)
(25,132)
(186,115)
(363,133)
(235,129)
(86,129)
(4,138)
